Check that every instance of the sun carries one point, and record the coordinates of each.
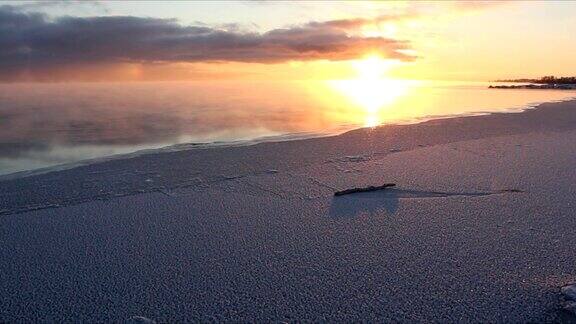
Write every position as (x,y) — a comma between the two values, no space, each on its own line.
(373,67)
(372,90)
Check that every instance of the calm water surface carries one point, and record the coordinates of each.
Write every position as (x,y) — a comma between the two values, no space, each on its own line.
(43,125)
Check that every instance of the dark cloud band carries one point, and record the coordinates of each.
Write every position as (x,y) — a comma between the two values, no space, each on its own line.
(31,41)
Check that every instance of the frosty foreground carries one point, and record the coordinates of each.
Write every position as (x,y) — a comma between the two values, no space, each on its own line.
(479,228)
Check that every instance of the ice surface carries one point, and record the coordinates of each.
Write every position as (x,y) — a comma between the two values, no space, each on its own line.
(477,230)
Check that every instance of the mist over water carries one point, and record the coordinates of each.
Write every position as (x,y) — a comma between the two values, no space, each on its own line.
(43,125)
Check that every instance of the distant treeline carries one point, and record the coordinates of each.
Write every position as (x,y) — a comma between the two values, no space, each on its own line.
(545,80)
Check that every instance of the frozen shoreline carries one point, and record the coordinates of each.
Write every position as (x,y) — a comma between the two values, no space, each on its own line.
(275,138)
(479,228)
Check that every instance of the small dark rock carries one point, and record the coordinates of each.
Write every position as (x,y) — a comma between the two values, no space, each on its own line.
(141,320)
(569,292)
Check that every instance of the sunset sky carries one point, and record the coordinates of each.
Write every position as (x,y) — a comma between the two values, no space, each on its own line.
(264,39)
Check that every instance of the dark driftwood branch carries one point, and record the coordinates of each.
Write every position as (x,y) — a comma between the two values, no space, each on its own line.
(367,189)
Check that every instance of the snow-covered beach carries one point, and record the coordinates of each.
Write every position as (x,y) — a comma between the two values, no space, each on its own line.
(479,228)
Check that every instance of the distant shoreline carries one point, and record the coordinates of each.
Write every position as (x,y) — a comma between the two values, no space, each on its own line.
(547,82)
(536,86)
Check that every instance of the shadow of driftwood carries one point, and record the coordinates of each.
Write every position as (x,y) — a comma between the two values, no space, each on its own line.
(365,203)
